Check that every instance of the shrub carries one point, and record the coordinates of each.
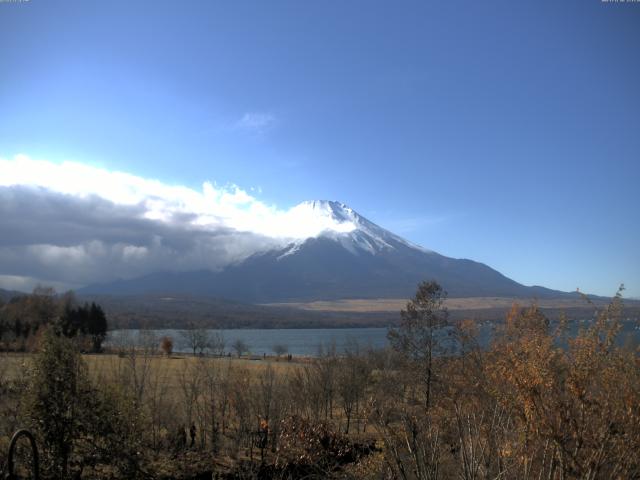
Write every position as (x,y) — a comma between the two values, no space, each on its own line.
(78,424)
(166,345)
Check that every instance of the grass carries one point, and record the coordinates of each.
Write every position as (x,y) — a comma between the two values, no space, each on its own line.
(170,376)
(396,304)
(12,365)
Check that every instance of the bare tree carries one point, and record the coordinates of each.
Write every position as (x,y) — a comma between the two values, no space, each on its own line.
(306,393)
(197,339)
(191,381)
(280,349)
(216,400)
(158,402)
(241,394)
(217,342)
(416,336)
(133,367)
(325,372)
(240,347)
(351,381)
(268,407)
(147,342)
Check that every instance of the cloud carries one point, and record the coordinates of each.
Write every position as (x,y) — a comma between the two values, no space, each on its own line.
(77,240)
(74,224)
(27,284)
(256,122)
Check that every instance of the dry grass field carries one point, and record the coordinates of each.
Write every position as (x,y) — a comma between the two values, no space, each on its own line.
(171,391)
(12,365)
(356,305)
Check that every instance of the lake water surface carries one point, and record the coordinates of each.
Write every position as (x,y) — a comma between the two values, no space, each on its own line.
(309,342)
(305,342)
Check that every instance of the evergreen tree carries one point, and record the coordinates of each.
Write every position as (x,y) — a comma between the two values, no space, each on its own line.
(79,424)
(97,326)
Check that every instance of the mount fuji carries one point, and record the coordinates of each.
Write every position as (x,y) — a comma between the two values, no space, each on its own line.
(346,256)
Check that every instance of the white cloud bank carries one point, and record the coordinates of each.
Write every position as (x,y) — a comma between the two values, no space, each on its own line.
(74,224)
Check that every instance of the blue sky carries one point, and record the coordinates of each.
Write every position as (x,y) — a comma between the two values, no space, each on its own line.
(506,132)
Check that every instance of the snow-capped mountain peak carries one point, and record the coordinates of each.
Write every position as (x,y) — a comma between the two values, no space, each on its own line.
(333,216)
(341,223)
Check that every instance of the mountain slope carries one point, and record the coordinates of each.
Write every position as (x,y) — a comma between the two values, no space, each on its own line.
(6,295)
(351,258)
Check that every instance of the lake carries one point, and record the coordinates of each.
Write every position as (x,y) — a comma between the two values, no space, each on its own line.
(308,342)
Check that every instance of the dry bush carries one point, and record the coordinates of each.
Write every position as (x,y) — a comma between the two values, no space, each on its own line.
(536,403)
(575,409)
(540,404)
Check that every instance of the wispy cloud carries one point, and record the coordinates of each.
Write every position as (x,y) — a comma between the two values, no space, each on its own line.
(256,122)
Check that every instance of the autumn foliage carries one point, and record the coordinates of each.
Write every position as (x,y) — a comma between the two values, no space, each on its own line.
(573,404)
(540,400)
(539,403)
